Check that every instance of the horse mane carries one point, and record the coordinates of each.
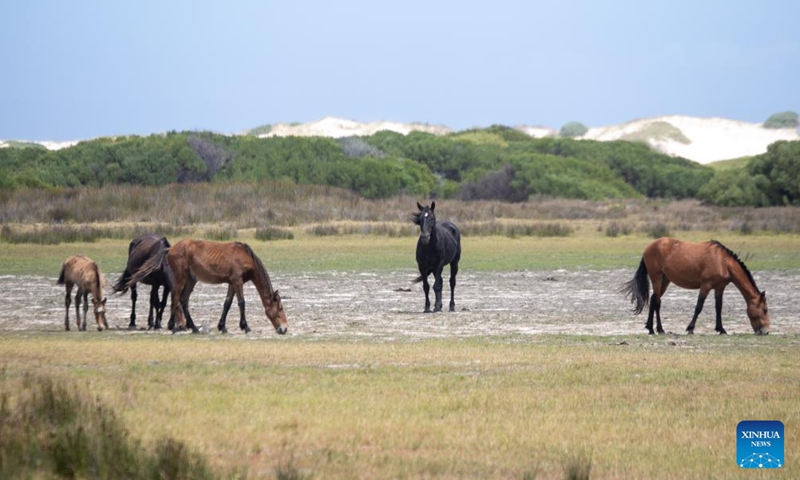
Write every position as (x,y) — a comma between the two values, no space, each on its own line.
(261,271)
(415,218)
(733,255)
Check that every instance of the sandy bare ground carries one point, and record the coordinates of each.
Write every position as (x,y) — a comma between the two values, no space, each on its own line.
(379,306)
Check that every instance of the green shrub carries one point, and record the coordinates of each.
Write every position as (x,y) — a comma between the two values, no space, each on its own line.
(273,233)
(782,120)
(573,129)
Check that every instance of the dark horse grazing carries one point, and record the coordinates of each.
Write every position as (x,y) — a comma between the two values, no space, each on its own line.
(705,266)
(439,244)
(82,272)
(141,249)
(234,263)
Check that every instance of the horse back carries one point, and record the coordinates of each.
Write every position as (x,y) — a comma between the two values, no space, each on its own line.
(81,271)
(686,264)
(211,262)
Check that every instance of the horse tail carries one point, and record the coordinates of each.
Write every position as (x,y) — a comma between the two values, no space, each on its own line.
(122,283)
(60,280)
(157,262)
(418,279)
(638,289)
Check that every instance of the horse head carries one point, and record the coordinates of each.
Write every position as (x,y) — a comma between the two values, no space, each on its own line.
(426,221)
(99,307)
(759,314)
(276,313)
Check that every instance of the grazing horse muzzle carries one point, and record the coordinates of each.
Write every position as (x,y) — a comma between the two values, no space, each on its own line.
(762,331)
(281,329)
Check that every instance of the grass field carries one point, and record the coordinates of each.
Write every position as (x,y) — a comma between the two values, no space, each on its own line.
(522,406)
(630,407)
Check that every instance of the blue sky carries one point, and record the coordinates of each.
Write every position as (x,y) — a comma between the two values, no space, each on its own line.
(83,69)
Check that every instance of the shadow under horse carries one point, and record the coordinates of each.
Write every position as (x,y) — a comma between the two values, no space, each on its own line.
(703,266)
(439,244)
(140,250)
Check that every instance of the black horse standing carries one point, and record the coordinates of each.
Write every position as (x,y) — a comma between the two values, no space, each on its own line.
(141,249)
(439,244)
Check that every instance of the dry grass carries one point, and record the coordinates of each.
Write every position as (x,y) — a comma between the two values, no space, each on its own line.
(628,407)
(232,207)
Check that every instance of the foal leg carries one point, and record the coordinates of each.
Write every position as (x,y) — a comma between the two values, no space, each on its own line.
(85,309)
(453,272)
(134,296)
(701,299)
(225,307)
(437,289)
(718,306)
(655,303)
(67,302)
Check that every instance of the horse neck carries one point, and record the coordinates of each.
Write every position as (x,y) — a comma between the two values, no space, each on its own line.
(742,281)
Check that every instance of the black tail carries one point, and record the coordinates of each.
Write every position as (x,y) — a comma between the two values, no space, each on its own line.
(60,280)
(418,279)
(122,283)
(638,289)
(156,263)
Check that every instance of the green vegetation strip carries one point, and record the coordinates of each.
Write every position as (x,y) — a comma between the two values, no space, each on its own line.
(584,250)
(626,407)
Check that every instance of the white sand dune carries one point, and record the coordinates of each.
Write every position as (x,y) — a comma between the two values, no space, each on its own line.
(338,127)
(709,139)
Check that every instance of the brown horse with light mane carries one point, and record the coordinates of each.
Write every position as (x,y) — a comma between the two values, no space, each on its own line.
(82,272)
(234,263)
(705,266)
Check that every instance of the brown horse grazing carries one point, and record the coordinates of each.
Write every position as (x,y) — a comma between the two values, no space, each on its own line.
(140,250)
(82,272)
(705,266)
(234,263)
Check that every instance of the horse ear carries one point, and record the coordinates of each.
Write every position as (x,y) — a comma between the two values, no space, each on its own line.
(764,296)
(419,206)
(433,205)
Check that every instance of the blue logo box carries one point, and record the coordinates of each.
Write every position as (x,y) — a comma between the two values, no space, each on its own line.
(759,444)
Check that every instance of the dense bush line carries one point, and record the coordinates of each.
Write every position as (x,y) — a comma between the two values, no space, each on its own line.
(496,163)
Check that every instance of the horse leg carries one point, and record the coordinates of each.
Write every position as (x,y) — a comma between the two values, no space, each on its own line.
(655,303)
(453,272)
(718,306)
(134,296)
(177,316)
(701,299)
(67,302)
(437,289)
(240,298)
(663,289)
(225,308)
(160,309)
(152,308)
(85,308)
(187,292)
(426,287)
